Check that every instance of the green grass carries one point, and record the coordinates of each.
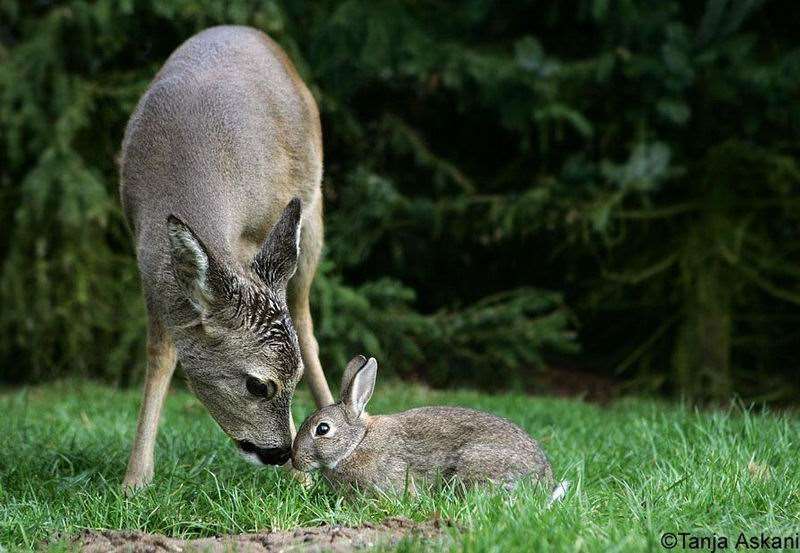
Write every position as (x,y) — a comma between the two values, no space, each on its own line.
(638,468)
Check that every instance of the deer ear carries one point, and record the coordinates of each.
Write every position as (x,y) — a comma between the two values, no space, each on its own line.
(192,265)
(276,262)
(358,392)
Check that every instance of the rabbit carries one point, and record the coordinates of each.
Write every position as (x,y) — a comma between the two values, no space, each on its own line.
(394,453)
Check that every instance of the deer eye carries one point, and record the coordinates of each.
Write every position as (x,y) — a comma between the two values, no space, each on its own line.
(322,429)
(261,388)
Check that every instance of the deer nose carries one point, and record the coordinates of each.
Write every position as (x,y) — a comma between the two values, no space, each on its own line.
(267,455)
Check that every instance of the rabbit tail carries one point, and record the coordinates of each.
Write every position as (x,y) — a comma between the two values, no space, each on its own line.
(559,491)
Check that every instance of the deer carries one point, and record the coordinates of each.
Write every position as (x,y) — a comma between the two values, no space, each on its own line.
(220,185)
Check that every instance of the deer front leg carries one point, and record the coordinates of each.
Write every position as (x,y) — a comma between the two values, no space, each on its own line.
(298,292)
(310,351)
(160,367)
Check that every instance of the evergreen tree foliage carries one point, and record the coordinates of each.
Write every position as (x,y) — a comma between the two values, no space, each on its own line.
(498,177)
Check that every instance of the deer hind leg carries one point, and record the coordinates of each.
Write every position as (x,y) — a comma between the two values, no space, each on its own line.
(299,288)
(160,367)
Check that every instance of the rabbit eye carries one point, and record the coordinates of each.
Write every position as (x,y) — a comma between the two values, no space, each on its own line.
(261,388)
(322,429)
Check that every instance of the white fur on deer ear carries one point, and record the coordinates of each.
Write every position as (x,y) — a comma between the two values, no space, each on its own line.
(191,264)
(358,392)
(276,262)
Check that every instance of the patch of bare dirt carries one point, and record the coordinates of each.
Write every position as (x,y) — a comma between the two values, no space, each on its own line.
(573,382)
(312,539)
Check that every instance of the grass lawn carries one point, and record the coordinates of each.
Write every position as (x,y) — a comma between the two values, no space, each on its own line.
(638,468)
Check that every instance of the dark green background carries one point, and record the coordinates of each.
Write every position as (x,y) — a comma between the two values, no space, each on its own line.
(516,192)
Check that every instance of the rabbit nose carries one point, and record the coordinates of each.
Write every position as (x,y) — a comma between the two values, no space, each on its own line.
(299,463)
(268,455)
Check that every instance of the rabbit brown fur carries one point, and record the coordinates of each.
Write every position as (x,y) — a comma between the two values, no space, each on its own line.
(419,446)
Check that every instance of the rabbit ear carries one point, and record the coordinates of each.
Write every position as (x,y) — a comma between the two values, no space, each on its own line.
(350,371)
(357,393)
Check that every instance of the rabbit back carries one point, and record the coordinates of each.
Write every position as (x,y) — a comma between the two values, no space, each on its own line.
(429,444)
(472,446)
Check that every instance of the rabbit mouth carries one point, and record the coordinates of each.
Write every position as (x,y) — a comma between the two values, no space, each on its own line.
(304,465)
